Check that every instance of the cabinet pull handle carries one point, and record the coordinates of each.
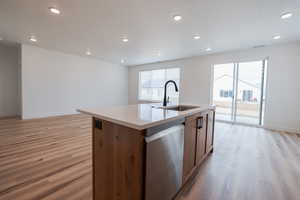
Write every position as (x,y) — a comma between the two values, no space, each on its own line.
(200,123)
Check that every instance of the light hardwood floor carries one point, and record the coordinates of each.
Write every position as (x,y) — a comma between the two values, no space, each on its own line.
(50,159)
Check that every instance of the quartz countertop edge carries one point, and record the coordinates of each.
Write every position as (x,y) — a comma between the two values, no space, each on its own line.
(136,120)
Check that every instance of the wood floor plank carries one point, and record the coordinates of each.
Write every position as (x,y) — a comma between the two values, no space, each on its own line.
(50,159)
(248,163)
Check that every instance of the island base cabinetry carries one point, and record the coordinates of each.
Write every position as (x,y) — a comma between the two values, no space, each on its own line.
(118,162)
(150,164)
(199,135)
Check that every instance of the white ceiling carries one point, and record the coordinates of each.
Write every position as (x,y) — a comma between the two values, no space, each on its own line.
(100,24)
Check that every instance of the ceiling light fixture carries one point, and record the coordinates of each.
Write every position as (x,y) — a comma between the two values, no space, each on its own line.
(177,17)
(32,38)
(88,52)
(208,49)
(122,61)
(276,37)
(125,39)
(286,15)
(54,10)
(196,37)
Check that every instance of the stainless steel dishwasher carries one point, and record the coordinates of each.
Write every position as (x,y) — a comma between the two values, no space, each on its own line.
(164,162)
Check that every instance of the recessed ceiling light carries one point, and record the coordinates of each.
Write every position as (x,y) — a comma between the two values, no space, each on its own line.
(286,15)
(88,52)
(122,61)
(208,49)
(276,37)
(32,38)
(177,17)
(196,37)
(54,10)
(125,39)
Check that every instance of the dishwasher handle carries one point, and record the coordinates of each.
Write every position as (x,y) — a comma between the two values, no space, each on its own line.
(159,128)
(176,128)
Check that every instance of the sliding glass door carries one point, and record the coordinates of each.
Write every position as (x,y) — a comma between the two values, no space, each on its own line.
(223,90)
(238,91)
(249,92)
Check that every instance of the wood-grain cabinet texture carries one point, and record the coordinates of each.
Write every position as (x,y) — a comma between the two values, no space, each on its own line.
(119,156)
(199,133)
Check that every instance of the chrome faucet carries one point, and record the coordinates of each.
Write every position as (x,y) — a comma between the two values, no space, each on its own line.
(165,92)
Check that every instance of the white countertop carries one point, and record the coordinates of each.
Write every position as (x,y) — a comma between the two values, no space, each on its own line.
(141,116)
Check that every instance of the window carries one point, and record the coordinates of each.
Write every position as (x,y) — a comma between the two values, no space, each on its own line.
(247,95)
(151,84)
(226,93)
(221,93)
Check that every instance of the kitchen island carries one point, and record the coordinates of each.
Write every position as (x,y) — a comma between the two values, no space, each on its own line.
(148,152)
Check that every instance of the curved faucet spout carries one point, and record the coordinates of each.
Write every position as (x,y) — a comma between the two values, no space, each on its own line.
(165,92)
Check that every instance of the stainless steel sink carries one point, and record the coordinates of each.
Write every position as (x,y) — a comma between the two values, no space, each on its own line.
(179,107)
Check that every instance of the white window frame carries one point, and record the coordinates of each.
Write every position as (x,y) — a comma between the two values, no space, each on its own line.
(139,85)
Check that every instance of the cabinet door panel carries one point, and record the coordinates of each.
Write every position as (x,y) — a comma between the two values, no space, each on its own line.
(189,146)
(118,153)
(210,131)
(201,138)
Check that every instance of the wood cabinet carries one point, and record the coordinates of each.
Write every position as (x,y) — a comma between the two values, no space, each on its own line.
(201,137)
(198,141)
(210,131)
(122,158)
(118,162)
(189,147)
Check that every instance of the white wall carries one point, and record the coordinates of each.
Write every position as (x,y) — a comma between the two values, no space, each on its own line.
(55,83)
(9,69)
(283,86)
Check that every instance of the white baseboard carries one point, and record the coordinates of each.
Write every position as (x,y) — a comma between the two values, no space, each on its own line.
(273,128)
(289,130)
(238,123)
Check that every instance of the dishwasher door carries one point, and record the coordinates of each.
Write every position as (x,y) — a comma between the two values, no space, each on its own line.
(164,163)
